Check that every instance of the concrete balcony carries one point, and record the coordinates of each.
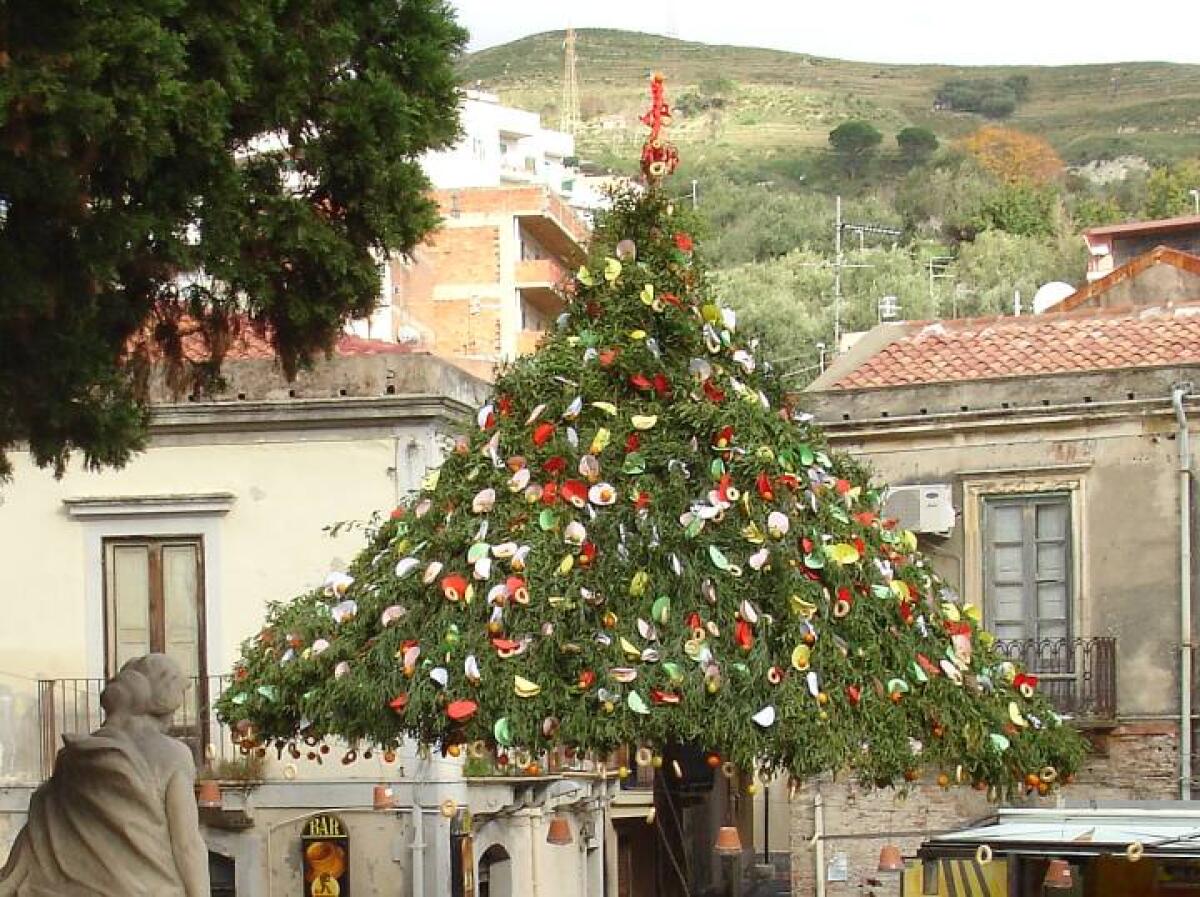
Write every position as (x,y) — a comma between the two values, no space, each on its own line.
(540,274)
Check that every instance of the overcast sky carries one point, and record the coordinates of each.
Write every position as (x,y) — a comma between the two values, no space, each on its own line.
(1041,32)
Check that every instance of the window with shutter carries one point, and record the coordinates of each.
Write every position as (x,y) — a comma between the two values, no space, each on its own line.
(1027,566)
(154,602)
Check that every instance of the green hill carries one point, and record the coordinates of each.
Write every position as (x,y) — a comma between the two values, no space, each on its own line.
(733,101)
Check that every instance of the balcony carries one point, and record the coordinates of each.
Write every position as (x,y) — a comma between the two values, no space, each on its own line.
(540,273)
(72,707)
(1078,676)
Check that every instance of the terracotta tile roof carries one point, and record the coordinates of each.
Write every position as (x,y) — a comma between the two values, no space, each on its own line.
(250,343)
(991,348)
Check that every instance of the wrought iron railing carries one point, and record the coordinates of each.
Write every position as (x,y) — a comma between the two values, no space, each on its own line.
(1077,675)
(72,707)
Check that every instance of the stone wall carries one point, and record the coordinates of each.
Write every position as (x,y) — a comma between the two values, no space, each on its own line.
(1130,762)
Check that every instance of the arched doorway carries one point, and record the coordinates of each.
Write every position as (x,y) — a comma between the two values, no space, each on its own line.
(495,873)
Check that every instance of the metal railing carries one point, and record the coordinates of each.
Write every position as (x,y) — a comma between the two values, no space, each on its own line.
(72,707)
(1077,675)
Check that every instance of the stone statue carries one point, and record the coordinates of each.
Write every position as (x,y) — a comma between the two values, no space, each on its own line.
(118,816)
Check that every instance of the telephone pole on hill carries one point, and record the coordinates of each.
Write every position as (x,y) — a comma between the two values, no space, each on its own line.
(839,262)
(569,121)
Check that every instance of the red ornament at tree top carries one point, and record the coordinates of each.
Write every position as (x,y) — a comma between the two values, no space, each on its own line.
(659,156)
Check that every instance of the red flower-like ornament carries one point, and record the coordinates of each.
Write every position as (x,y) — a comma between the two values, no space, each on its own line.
(542,433)
(715,393)
(744,635)
(1026,684)
(587,554)
(454,587)
(576,492)
(763,483)
(683,242)
(461,711)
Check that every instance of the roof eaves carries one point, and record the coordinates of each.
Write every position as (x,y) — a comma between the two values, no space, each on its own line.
(1158,225)
(1160,254)
(876,341)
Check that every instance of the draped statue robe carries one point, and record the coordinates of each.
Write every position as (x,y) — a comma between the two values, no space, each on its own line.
(98,827)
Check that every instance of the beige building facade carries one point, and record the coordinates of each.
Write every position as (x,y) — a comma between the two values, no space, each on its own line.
(1069,512)
(253,497)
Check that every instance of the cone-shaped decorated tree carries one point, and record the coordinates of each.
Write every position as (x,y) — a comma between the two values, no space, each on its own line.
(639,542)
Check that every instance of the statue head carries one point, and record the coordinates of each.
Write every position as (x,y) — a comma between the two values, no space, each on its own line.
(127,694)
(151,685)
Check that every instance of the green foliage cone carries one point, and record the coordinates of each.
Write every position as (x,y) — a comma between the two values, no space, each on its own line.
(640,542)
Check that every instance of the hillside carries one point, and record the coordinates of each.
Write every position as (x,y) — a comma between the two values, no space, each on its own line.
(739,100)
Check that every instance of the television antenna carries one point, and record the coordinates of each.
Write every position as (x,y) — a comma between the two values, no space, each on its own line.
(569,120)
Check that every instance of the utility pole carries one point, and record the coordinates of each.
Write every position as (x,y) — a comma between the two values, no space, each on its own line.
(839,262)
(938,270)
(837,278)
(695,195)
(569,120)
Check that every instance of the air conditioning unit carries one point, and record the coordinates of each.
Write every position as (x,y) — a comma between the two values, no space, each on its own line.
(922,508)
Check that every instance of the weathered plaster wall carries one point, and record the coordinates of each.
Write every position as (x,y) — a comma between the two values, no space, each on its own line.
(1137,763)
(1116,455)
(1109,440)
(1157,284)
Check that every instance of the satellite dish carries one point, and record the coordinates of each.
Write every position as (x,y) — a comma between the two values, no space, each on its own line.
(1050,294)
(408,335)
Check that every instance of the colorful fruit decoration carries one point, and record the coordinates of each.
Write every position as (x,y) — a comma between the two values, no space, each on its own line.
(640,539)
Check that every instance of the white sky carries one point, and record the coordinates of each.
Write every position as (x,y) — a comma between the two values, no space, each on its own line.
(1041,32)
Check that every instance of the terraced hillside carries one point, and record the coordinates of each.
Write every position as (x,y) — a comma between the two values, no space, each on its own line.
(738,100)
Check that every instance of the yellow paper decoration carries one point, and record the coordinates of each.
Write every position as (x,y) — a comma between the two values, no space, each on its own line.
(842,553)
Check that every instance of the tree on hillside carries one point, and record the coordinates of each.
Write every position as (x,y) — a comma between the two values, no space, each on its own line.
(946,199)
(990,97)
(639,542)
(855,142)
(1023,209)
(1168,190)
(1014,156)
(270,148)
(996,264)
(917,145)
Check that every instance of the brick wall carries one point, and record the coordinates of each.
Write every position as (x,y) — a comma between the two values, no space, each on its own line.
(1132,762)
(465,255)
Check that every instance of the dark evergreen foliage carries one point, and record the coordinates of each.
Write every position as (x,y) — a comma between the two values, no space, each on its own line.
(270,145)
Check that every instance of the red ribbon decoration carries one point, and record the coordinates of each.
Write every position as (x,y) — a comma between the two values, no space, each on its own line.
(659,156)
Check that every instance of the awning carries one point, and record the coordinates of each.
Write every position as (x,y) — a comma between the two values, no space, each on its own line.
(1077,832)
